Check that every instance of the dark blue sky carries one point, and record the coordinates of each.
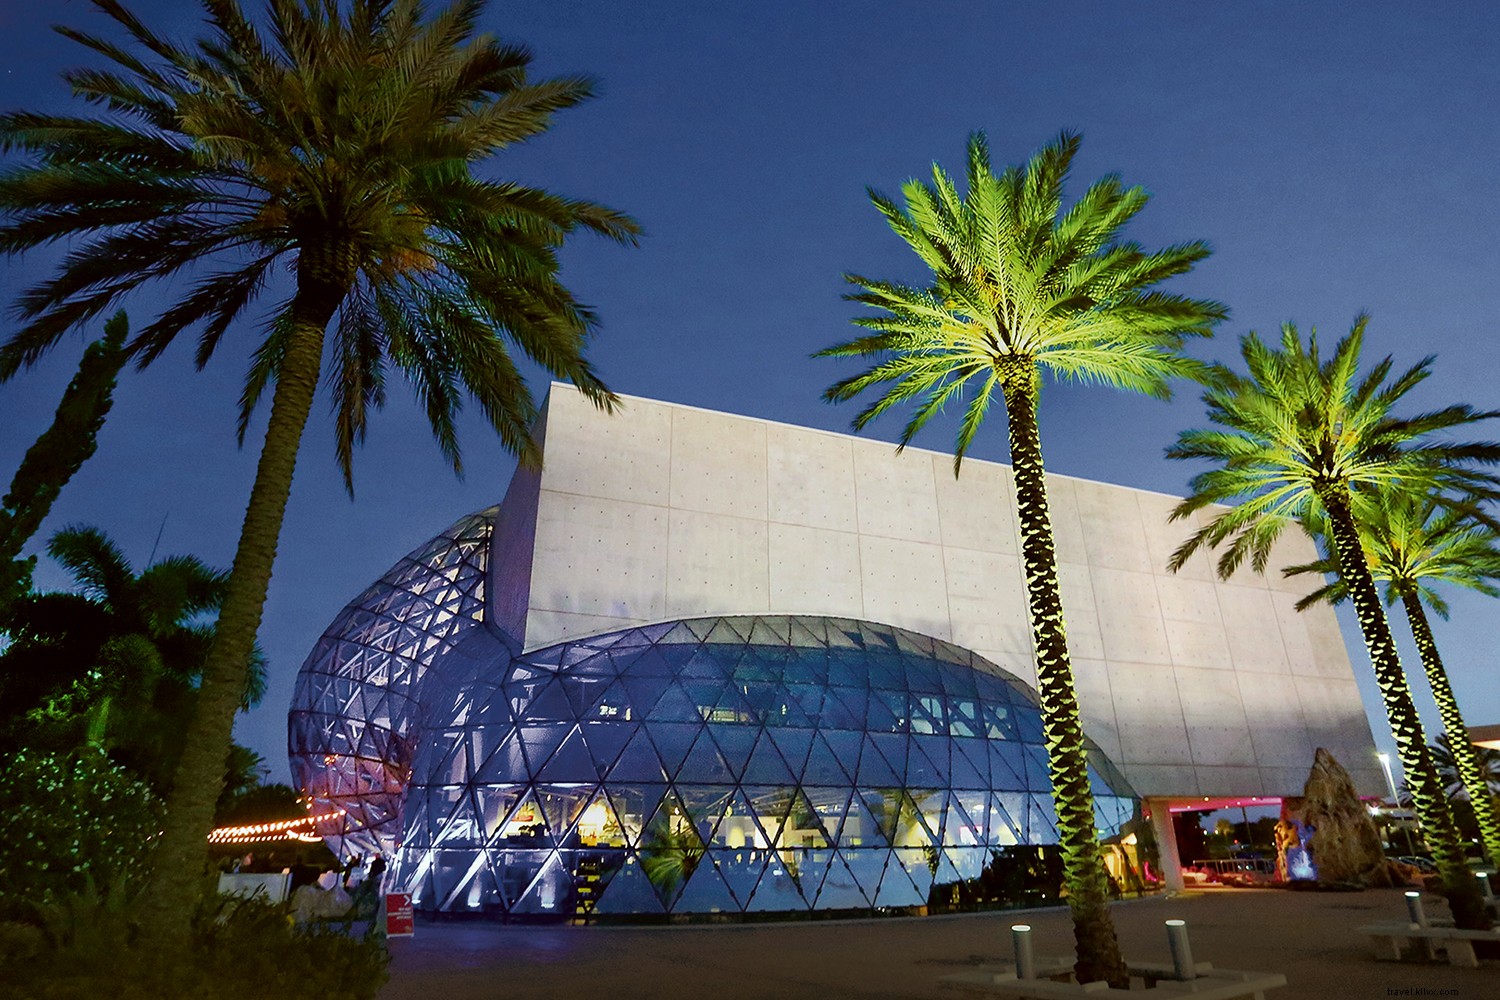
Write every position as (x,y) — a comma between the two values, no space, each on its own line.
(1338,158)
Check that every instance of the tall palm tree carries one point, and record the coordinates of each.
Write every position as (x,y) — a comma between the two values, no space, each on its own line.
(1301,436)
(1019,287)
(1411,542)
(338,144)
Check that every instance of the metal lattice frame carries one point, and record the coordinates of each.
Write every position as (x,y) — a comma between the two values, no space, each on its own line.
(355,710)
(724,764)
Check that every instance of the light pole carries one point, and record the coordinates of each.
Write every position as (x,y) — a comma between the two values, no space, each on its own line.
(1385,763)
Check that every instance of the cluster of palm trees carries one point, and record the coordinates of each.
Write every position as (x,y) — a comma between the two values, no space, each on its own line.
(1020,287)
(334,155)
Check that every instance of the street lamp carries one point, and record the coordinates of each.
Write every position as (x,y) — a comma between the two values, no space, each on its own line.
(1385,762)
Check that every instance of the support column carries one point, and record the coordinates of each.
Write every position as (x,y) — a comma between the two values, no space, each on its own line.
(1166,842)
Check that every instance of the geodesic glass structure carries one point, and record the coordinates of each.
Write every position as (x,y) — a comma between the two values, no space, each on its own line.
(355,705)
(726,764)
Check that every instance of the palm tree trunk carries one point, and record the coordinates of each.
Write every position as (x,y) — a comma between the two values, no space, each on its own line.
(1067,760)
(1464,757)
(177,879)
(1438,828)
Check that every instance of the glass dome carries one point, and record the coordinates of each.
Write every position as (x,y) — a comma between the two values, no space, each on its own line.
(727,764)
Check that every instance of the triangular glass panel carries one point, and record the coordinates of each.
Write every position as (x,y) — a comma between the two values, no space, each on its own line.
(927,762)
(676,705)
(806,702)
(726,632)
(605,740)
(633,804)
(629,891)
(540,741)
(1015,811)
(840,890)
(880,717)
(1043,822)
(874,770)
(670,849)
(967,822)
(673,740)
(571,763)
(507,764)
(811,633)
(703,664)
(794,745)
(638,762)
(837,712)
(599,826)
(963,771)
(766,766)
(1037,778)
(703,765)
(824,765)
(893,748)
(705,808)
(735,743)
(649,662)
(705,891)
(877,811)
(561,808)
(780,886)
(644,691)
(1007,768)
(897,888)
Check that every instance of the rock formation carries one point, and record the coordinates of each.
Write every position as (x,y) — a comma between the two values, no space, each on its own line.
(1345,845)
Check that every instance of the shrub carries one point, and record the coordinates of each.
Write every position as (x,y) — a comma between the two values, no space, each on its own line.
(69,817)
(83,947)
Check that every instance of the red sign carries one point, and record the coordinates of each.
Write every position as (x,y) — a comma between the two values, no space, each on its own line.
(399,920)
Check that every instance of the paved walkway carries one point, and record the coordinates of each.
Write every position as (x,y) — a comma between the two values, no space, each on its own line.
(1307,936)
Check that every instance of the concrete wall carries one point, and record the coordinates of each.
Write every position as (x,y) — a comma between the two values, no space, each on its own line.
(1193,686)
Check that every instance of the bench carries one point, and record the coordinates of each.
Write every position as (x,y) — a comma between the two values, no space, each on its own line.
(1210,984)
(1391,938)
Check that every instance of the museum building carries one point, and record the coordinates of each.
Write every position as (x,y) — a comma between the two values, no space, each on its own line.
(709,663)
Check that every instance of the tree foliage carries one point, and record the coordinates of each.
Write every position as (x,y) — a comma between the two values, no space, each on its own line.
(60,451)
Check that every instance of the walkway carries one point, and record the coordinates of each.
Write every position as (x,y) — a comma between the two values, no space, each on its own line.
(1308,936)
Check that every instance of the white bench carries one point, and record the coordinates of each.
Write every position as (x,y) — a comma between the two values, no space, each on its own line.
(1391,938)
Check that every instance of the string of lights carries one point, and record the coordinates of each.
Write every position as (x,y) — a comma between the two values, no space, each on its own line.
(301,828)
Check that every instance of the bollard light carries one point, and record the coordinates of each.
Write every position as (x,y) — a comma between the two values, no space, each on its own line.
(1414,909)
(1020,935)
(1182,950)
(1484,885)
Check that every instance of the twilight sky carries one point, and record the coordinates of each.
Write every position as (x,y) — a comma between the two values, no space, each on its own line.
(1338,158)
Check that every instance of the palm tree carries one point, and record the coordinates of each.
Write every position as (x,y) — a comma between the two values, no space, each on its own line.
(118,661)
(1446,762)
(1410,542)
(339,145)
(57,454)
(1019,287)
(1302,436)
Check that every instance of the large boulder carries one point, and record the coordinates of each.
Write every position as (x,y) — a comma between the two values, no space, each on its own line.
(1345,845)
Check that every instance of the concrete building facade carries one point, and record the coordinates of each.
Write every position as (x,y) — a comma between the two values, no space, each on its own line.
(1193,686)
(432,686)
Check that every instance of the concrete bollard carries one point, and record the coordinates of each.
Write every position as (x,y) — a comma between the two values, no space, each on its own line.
(1182,951)
(1414,909)
(1484,885)
(1020,935)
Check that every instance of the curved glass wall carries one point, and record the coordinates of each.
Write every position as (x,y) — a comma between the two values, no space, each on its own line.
(355,707)
(727,764)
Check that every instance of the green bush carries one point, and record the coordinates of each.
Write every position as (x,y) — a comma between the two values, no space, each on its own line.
(69,817)
(83,946)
